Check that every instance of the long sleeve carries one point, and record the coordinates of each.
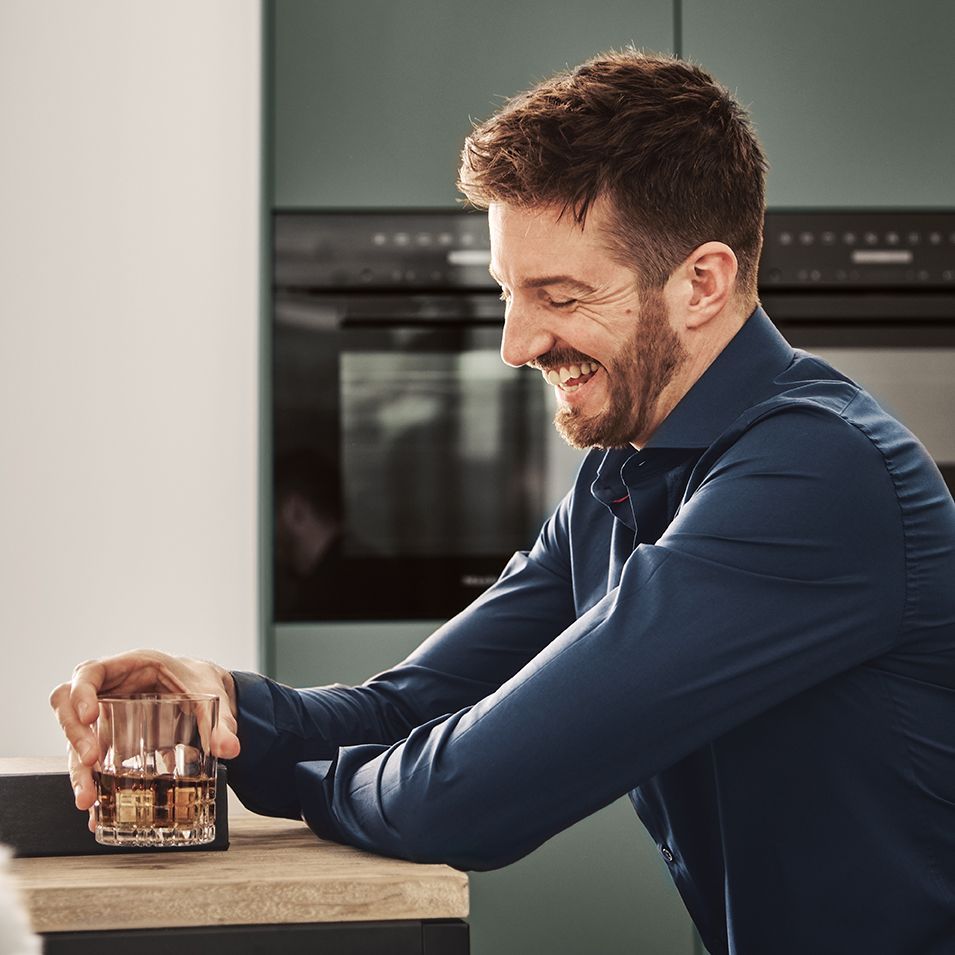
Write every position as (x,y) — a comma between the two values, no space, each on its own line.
(785,566)
(464,661)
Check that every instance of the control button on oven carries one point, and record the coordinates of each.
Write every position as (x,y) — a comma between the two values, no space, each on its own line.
(849,238)
(892,238)
(914,238)
(871,238)
(935,238)
(402,238)
(806,238)
(785,238)
(379,238)
(828,238)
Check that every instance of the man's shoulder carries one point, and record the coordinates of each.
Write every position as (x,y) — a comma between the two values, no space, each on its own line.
(824,406)
(833,430)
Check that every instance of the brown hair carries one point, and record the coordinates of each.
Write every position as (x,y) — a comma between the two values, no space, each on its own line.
(673,152)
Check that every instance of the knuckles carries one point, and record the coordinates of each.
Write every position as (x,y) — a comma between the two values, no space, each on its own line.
(58,693)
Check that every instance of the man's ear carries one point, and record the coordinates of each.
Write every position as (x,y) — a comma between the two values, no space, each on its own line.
(708,280)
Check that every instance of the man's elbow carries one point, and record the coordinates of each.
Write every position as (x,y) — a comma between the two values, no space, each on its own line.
(462,845)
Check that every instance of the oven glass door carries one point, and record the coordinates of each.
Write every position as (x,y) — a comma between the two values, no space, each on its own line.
(409,464)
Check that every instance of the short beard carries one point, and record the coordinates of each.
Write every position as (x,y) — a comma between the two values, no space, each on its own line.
(635,378)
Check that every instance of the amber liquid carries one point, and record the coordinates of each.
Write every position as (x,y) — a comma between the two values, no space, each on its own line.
(155,810)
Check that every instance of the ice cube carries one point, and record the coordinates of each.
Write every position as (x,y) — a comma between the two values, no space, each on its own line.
(188,760)
(165,761)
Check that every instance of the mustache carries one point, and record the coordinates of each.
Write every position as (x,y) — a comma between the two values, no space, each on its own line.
(559,357)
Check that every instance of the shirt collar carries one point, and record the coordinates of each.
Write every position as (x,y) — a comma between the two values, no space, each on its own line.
(739,377)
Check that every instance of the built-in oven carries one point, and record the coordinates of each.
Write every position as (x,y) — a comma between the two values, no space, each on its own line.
(409,462)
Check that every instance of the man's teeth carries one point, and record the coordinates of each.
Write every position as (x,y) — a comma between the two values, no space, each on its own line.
(569,373)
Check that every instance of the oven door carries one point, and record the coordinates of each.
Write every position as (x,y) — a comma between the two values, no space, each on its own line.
(899,347)
(409,461)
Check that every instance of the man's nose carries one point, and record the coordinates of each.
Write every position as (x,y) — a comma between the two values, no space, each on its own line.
(525,335)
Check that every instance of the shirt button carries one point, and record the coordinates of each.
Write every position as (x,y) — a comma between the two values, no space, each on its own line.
(665,852)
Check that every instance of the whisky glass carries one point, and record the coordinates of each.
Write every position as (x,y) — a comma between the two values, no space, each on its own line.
(156,775)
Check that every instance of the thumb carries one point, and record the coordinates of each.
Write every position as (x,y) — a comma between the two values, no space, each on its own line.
(225,744)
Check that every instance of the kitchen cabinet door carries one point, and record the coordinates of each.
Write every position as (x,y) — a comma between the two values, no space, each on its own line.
(854,101)
(370,100)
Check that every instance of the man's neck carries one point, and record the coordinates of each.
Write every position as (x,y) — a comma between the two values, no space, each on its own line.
(702,353)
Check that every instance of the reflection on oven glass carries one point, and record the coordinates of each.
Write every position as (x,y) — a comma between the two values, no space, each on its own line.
(429,448)
(308,530)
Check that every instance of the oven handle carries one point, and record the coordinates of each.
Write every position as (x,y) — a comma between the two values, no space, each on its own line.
(859,306)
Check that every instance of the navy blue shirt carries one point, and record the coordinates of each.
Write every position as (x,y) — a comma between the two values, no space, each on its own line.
(748,626)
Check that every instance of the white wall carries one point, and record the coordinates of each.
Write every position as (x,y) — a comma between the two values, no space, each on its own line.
(129,208)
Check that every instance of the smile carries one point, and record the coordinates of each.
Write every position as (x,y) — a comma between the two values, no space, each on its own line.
(569,378)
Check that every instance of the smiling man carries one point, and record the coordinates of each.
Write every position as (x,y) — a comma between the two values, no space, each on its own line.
(559,323)
(741,615)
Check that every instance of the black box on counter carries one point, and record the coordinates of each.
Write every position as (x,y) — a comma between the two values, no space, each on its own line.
(39,818)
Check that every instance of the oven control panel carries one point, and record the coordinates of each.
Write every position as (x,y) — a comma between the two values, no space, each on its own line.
(396,250)
(844,248)
(447,249)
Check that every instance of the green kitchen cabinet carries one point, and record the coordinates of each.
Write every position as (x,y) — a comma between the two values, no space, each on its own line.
(854,100)
(370,100)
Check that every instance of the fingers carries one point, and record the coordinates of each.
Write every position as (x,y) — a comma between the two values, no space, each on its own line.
(136,671)
(225,742)
(81,738)
(86,683)
(77,708)
(82,748)
(225,738)
(81,779)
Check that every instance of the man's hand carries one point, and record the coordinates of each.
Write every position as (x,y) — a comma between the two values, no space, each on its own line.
(139,671)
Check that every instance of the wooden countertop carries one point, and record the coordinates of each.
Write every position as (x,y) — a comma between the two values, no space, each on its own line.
(275,870)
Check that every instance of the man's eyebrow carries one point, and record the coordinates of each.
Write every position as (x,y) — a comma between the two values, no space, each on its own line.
(568,281)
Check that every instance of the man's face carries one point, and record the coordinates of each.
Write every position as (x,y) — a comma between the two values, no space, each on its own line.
(577,316)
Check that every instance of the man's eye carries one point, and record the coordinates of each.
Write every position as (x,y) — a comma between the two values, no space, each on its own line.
(562,303)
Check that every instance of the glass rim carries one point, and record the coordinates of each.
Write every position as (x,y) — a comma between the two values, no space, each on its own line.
(158,698)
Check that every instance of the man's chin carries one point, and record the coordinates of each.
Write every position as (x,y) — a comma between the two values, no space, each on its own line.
(584,433)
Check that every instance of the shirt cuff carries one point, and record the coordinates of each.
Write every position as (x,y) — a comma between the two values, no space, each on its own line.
(256,775)
(255,716)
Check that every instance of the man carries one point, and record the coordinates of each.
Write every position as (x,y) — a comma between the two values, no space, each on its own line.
(741,614)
